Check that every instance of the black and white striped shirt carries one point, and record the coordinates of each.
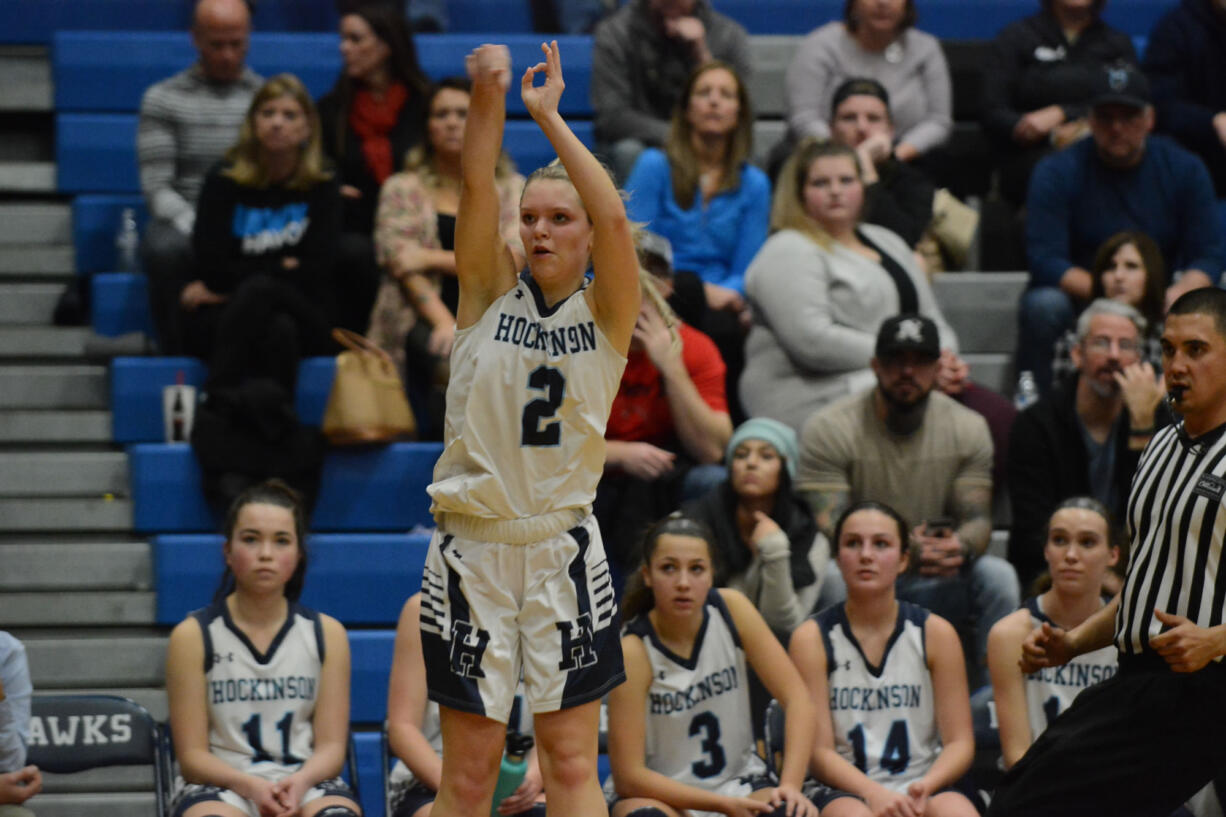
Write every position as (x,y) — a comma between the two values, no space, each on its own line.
(1176,521)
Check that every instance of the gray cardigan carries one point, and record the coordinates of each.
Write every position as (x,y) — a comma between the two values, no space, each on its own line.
(913,71)
(816,313)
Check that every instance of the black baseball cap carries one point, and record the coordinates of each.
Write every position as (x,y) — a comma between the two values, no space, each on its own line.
(1121,84)
(908,333)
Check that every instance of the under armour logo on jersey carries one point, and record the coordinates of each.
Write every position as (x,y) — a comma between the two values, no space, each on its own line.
(577,649)
(467,649)
(910,329)
(847,665)
(519,293)
(218,657)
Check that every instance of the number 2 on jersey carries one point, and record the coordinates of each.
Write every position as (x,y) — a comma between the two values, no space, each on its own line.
(251,728)
(550,381)
(895,754)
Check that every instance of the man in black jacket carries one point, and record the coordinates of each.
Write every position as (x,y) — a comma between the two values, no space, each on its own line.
(1086,437)
(1186,60)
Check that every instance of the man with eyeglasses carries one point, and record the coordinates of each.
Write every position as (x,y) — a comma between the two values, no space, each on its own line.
(1087,436)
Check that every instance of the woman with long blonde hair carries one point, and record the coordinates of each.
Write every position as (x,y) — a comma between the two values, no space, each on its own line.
(265,237)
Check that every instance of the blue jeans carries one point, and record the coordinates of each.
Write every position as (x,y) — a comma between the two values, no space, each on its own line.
(984,592)
(1044,315)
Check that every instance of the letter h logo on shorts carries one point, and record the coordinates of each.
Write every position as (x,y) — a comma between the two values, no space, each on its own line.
(467,650)
(577,649)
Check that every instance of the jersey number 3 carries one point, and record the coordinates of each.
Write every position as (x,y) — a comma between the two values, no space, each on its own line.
(535,431)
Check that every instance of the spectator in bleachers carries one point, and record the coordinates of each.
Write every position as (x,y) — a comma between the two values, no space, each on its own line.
(1127,268)
(238,756)
(18,782)
(569,16)
(1123,178)
(701,193)
(415,739)
(896,195)
(414,314)
(1081,545)
(905,442)
(877,39)
(821,286)
(265,237)
(669,423)
(767,541)
(642,56)
(1186,58)
(186,124)
(1086,437)
(1039,81)
(374,113)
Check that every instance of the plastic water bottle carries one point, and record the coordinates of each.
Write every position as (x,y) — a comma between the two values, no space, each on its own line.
(514,767)
(1027,393)
(127,240)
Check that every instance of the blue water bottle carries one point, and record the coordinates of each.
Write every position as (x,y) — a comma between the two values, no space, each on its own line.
(514,767)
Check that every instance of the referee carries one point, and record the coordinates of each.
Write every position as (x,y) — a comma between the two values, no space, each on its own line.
(1146,740)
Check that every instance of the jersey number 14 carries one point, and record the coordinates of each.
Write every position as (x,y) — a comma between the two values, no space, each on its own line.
(895,754)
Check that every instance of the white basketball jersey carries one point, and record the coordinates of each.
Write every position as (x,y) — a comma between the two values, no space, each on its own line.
(699,729)
(527,403)
(1051,690)
(884,717)
(261,706)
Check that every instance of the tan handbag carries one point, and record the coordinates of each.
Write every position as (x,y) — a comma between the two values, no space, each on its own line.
(367,403)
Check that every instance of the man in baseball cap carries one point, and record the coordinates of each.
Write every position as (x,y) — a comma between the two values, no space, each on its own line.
(909,445)
(1121,178)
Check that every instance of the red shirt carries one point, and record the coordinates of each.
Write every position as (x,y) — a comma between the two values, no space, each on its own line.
(640,410)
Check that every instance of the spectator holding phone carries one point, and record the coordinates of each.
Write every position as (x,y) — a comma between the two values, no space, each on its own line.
(906,443)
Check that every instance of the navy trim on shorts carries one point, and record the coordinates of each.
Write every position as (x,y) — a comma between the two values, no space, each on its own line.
(406,800)
(444,685)
(608,666)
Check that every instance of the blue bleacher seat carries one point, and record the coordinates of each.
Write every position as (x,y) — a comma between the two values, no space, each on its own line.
(370,771)
(120,304)
(371,659)
(137,383)
(108,71)
(378,488)
(358,578)
(95,221)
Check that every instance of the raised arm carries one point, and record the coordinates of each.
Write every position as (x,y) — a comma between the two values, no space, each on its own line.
(330,722)
(615,288)
(406,700)
(483,263)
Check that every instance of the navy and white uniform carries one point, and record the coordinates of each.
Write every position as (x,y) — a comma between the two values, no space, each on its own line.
(699,730)
(884,716)
(261,705)
(516,577)
(1051,690)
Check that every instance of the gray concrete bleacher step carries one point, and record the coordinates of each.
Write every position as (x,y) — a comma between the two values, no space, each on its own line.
(74,563)
(55,387)
(36,261)
(982,308)
(26,72)
(51,426)
(26,304)
(62,473)
(96,661)
(35,223)
(27,177)
(80,609)
(66,514)
(44,341)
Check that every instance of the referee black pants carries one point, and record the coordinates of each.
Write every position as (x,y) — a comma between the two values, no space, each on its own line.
(1138,744)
